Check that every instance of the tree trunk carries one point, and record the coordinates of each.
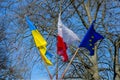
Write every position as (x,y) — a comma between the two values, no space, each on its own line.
(116,61)
(95,65)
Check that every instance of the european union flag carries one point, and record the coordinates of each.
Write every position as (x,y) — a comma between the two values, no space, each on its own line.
(90,39)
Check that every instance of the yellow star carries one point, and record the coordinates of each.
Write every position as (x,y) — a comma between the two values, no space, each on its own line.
(90,44)
(90,40)
(92,37)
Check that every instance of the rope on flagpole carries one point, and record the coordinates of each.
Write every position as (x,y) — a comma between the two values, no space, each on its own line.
(69,64)
(46,67)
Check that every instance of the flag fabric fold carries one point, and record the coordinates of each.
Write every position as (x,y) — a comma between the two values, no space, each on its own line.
(65,38)
(68,35)
(90,39)
(39,41)
(61,45)
(61,48)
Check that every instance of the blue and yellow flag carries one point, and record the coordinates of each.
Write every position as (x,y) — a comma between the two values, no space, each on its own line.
(39,41)
(90,39)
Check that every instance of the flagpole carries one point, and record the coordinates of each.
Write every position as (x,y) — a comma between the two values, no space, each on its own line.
(69,64)
(57,68)
(48,71)
(60,8)
(46,66)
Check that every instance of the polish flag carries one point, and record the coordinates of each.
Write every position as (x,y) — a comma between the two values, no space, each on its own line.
(64,38)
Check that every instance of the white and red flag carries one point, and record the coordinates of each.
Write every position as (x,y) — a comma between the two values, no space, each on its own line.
(64,38)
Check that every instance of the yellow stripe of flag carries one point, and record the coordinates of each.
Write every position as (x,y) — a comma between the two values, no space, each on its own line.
(41,44)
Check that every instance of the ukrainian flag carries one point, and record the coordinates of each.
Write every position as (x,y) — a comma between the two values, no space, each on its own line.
(39,41)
